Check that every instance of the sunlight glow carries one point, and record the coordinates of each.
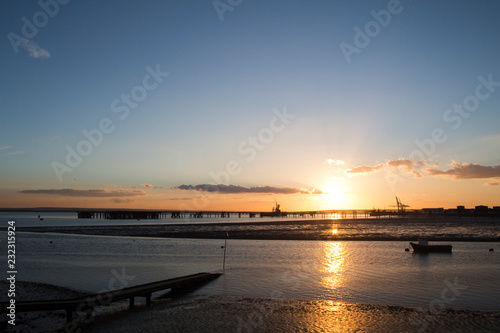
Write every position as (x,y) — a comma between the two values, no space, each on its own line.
(334,196)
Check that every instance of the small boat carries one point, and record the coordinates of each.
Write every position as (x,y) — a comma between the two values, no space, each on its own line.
(423,247)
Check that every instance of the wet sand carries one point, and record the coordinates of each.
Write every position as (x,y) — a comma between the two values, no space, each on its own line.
(397,229)
(247,314)
(42,321)
(239,314)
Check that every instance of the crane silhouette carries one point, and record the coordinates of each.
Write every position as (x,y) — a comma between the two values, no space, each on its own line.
(401,206)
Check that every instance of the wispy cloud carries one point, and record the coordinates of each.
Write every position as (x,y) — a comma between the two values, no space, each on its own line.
(364,169)
(335,162)
(9,152)
(147,186)
(467,171)
(458,171)
(407,165)
(19,152)
(403,164)
(97,193)
(130,188)
(232,189)
(118,200)
(34,50)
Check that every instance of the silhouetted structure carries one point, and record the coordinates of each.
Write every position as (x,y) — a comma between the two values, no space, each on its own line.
(460,211)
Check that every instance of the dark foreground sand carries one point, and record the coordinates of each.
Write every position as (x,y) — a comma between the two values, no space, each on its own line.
(36,321)
(241,314)
(238,314)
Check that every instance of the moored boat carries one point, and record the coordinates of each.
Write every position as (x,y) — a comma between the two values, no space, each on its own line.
(423,247)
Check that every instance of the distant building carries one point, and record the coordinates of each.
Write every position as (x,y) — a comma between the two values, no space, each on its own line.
(433,211)
(481,210)
(496,211)
(460,211)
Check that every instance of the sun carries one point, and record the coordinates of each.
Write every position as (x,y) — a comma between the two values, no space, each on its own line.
(334,194)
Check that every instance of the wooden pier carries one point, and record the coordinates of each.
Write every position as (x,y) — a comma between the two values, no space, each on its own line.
(87,304)
(478,211)
(175,214)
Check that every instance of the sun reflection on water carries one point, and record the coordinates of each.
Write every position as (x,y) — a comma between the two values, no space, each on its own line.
(333,264)
(334,216)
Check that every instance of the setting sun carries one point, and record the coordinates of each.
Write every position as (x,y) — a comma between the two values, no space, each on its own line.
(334,195)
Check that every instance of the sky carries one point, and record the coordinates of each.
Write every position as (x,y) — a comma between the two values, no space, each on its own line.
(231,104)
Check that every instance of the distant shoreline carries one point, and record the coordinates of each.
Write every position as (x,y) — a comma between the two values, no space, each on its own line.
(272,230)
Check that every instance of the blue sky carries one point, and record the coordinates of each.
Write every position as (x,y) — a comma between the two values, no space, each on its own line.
(225,78)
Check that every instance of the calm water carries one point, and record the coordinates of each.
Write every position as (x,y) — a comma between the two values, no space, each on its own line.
(30,219)
(353,271)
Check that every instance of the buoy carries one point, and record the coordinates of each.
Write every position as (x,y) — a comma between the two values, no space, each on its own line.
(50,242)
(491,250)
(407,250)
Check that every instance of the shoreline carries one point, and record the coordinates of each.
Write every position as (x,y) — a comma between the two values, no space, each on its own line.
(284,230)
(210,313)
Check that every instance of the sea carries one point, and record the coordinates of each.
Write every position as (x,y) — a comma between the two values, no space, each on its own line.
(353,271)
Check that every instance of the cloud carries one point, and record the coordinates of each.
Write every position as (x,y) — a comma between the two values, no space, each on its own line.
(118,200)
(5,147)
(130,188)
(317,191)
(34,50)
(19,152)
(461,171)
(148,186)
(492,184)
(335,162)
(364,169)
(96,193)
(458,171)
(402,163)
(232,189)
(407,165)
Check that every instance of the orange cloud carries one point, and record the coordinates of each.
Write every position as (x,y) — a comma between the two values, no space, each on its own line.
(408,165)
(364,169)
(467,171)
